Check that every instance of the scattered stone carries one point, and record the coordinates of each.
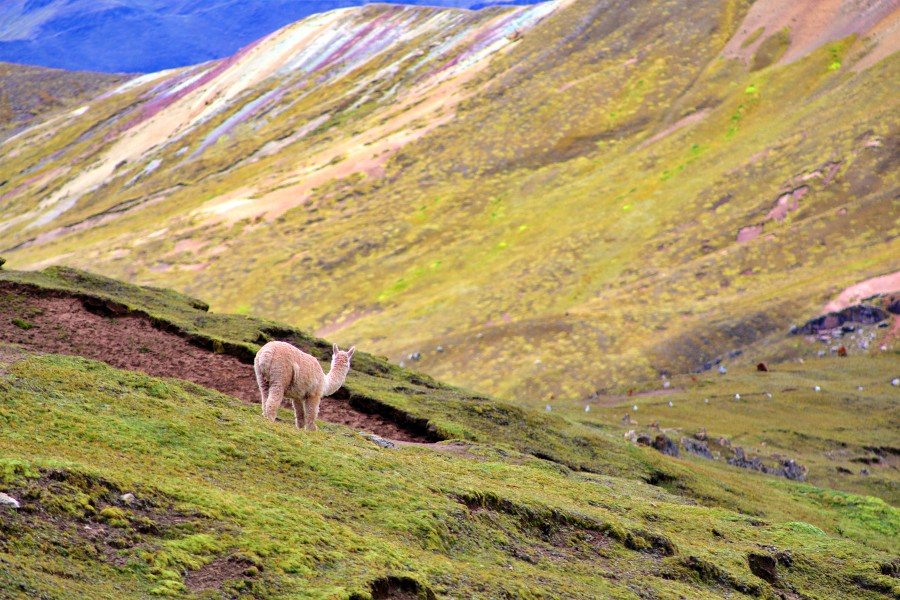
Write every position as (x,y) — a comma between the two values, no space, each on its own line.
(763,566)
(628,420)
(402,364)
(762,367)
(859,388)
(724,442)
(631,436)
(587,408)
(7,500)
(895,381)
(701,435)
(790,469)
(844,470)
(892,307)
(863,471)
(670,404)
(696,447)
(127,498)
(537,361)
(634,408)
(740,459)
(548,408)
(820,353)
(737,396)
(644,439)
(722,370)
(666,445)
(439,349)
(817,388)
(415,356)
(891,568)
(706,401)
(378,440)
(861,314)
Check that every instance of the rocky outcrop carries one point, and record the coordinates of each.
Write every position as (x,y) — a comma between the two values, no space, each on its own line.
(862,314)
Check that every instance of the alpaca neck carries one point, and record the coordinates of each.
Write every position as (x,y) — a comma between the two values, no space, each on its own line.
(335,379)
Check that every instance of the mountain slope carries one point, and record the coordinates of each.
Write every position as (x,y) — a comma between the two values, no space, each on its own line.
(331,514)
(503,193)
(27,93)
(142,36)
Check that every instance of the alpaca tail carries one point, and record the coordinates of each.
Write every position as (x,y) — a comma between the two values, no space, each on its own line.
(261,380)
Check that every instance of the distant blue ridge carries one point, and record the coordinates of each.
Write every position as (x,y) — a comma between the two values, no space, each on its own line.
(142,36)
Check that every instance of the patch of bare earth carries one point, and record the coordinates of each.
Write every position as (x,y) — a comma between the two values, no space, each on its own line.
(812,23)
(213,575)
(62,325)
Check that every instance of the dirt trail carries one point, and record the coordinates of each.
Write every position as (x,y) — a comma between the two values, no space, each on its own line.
(62,325)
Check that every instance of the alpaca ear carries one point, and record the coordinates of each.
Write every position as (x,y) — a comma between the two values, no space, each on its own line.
(334,349)
(351,351)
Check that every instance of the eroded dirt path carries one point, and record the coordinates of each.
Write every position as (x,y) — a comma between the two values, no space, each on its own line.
(62,325)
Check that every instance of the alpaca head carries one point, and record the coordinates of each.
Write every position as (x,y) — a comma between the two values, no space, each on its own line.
(341,358)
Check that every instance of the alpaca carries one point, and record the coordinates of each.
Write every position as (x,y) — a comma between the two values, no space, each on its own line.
(285,371)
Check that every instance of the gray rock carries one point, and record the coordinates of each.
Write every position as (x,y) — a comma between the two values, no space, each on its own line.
(378,440)
(666,445)
(7,500)
(792,470)
(696,447)
(127,498)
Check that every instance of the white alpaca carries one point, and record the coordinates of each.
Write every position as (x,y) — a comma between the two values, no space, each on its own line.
(283,371)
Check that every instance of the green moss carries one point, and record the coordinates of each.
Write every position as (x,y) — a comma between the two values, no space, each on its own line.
(22,323)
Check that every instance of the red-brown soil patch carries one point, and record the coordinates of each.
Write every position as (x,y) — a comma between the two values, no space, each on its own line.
(214,574)
(62,325)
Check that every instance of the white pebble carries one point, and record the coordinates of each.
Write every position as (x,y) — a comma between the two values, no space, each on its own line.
(548,408)
(817,388)
(8,500)
(737,396)
(670,403)
(537,361)
(706,400)
(859,388)
(634,407)
(587,408)
(722,369)
(667,384)
(768,394)
(895,381)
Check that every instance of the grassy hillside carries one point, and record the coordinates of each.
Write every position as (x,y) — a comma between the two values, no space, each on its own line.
(226,504)
(503,192)
(29,93)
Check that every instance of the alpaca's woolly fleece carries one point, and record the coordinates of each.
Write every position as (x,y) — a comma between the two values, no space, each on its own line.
(283,371)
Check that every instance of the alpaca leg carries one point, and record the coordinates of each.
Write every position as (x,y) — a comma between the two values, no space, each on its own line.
(311,411)
(299,409)
(273,401)
(264,394)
